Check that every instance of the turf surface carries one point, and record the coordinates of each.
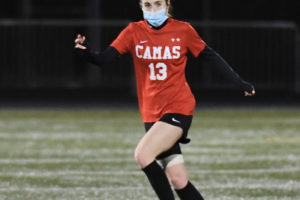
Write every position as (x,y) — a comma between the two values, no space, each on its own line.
(88,154)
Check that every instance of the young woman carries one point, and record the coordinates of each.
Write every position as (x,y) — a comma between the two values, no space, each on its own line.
(159,46)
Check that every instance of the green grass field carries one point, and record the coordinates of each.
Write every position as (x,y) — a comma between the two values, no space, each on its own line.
(245,154)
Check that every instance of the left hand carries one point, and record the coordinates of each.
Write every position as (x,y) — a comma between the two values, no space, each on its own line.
(249,89)
(247,94)
(79,42)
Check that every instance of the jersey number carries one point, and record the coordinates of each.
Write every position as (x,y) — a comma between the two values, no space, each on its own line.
(162,71)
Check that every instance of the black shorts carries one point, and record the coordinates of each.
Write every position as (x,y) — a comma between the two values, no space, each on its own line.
(182,121)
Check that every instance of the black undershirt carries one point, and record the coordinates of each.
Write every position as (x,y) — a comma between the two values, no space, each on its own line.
(109,55)
(212,59)
(208,56)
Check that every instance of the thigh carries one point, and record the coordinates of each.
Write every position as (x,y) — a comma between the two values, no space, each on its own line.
(159,138)
(174,150)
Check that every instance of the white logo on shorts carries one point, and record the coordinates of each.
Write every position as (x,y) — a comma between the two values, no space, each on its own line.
(175,120)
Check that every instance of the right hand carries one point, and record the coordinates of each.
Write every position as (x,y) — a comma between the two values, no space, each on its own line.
(79,42)
(249,89)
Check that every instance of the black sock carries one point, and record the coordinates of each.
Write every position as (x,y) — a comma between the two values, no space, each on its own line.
(189,192)
(159,181)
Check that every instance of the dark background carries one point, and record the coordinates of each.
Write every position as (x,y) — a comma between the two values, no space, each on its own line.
(286,10)
(259,38)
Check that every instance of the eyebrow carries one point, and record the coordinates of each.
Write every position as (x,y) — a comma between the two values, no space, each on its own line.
(159,1)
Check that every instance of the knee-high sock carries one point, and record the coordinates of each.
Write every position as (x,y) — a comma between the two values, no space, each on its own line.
(189,192)
(159,181)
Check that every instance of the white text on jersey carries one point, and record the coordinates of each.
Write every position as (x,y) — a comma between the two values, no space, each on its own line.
(157,53)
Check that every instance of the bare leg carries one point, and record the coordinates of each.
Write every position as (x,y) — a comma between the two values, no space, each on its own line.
(179,179)
(161,137)
(177,175)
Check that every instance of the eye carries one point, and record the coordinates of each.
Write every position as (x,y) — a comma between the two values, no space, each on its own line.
(158,3)
(147,5)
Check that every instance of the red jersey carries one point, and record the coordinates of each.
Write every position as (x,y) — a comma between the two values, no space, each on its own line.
(160,58)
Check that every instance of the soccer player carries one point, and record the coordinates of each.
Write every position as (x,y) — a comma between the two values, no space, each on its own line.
(159,46)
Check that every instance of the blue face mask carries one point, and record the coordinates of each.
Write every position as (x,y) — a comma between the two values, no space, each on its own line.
(156,19)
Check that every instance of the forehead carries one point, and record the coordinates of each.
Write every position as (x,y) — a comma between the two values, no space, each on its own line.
(152,1)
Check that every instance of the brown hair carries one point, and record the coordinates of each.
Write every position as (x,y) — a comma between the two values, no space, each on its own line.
(170,10)
(169,4)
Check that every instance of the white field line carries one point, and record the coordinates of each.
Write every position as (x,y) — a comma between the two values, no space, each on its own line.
(79,152)
(65,134)
(284,186)
(52,134)
(121,151)
(134,139)
(64,122)
(70,189)
(130,151)
(189,158)
(209,150)
(139,173)
(199,138)
(238,142)
(253,198)
(291,185)
(56,135)
(263,120)
(248,171)
(64,160)
(113,120)
(239,158)
(240,134)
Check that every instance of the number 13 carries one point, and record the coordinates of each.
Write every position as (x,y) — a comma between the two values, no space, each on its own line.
(162,73)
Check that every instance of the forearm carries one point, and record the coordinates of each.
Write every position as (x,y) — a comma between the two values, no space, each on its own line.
(109,55)
(213,59)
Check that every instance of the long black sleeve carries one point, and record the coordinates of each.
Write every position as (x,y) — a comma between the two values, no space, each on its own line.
(109,55)
(213,59)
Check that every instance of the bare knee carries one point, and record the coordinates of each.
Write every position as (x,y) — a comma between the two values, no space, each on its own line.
(142,158)
(178,180)
(177,175)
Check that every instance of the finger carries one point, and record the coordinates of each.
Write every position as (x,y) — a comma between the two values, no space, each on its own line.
(253,92)
(80,40)
(79,46)
(247,94)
